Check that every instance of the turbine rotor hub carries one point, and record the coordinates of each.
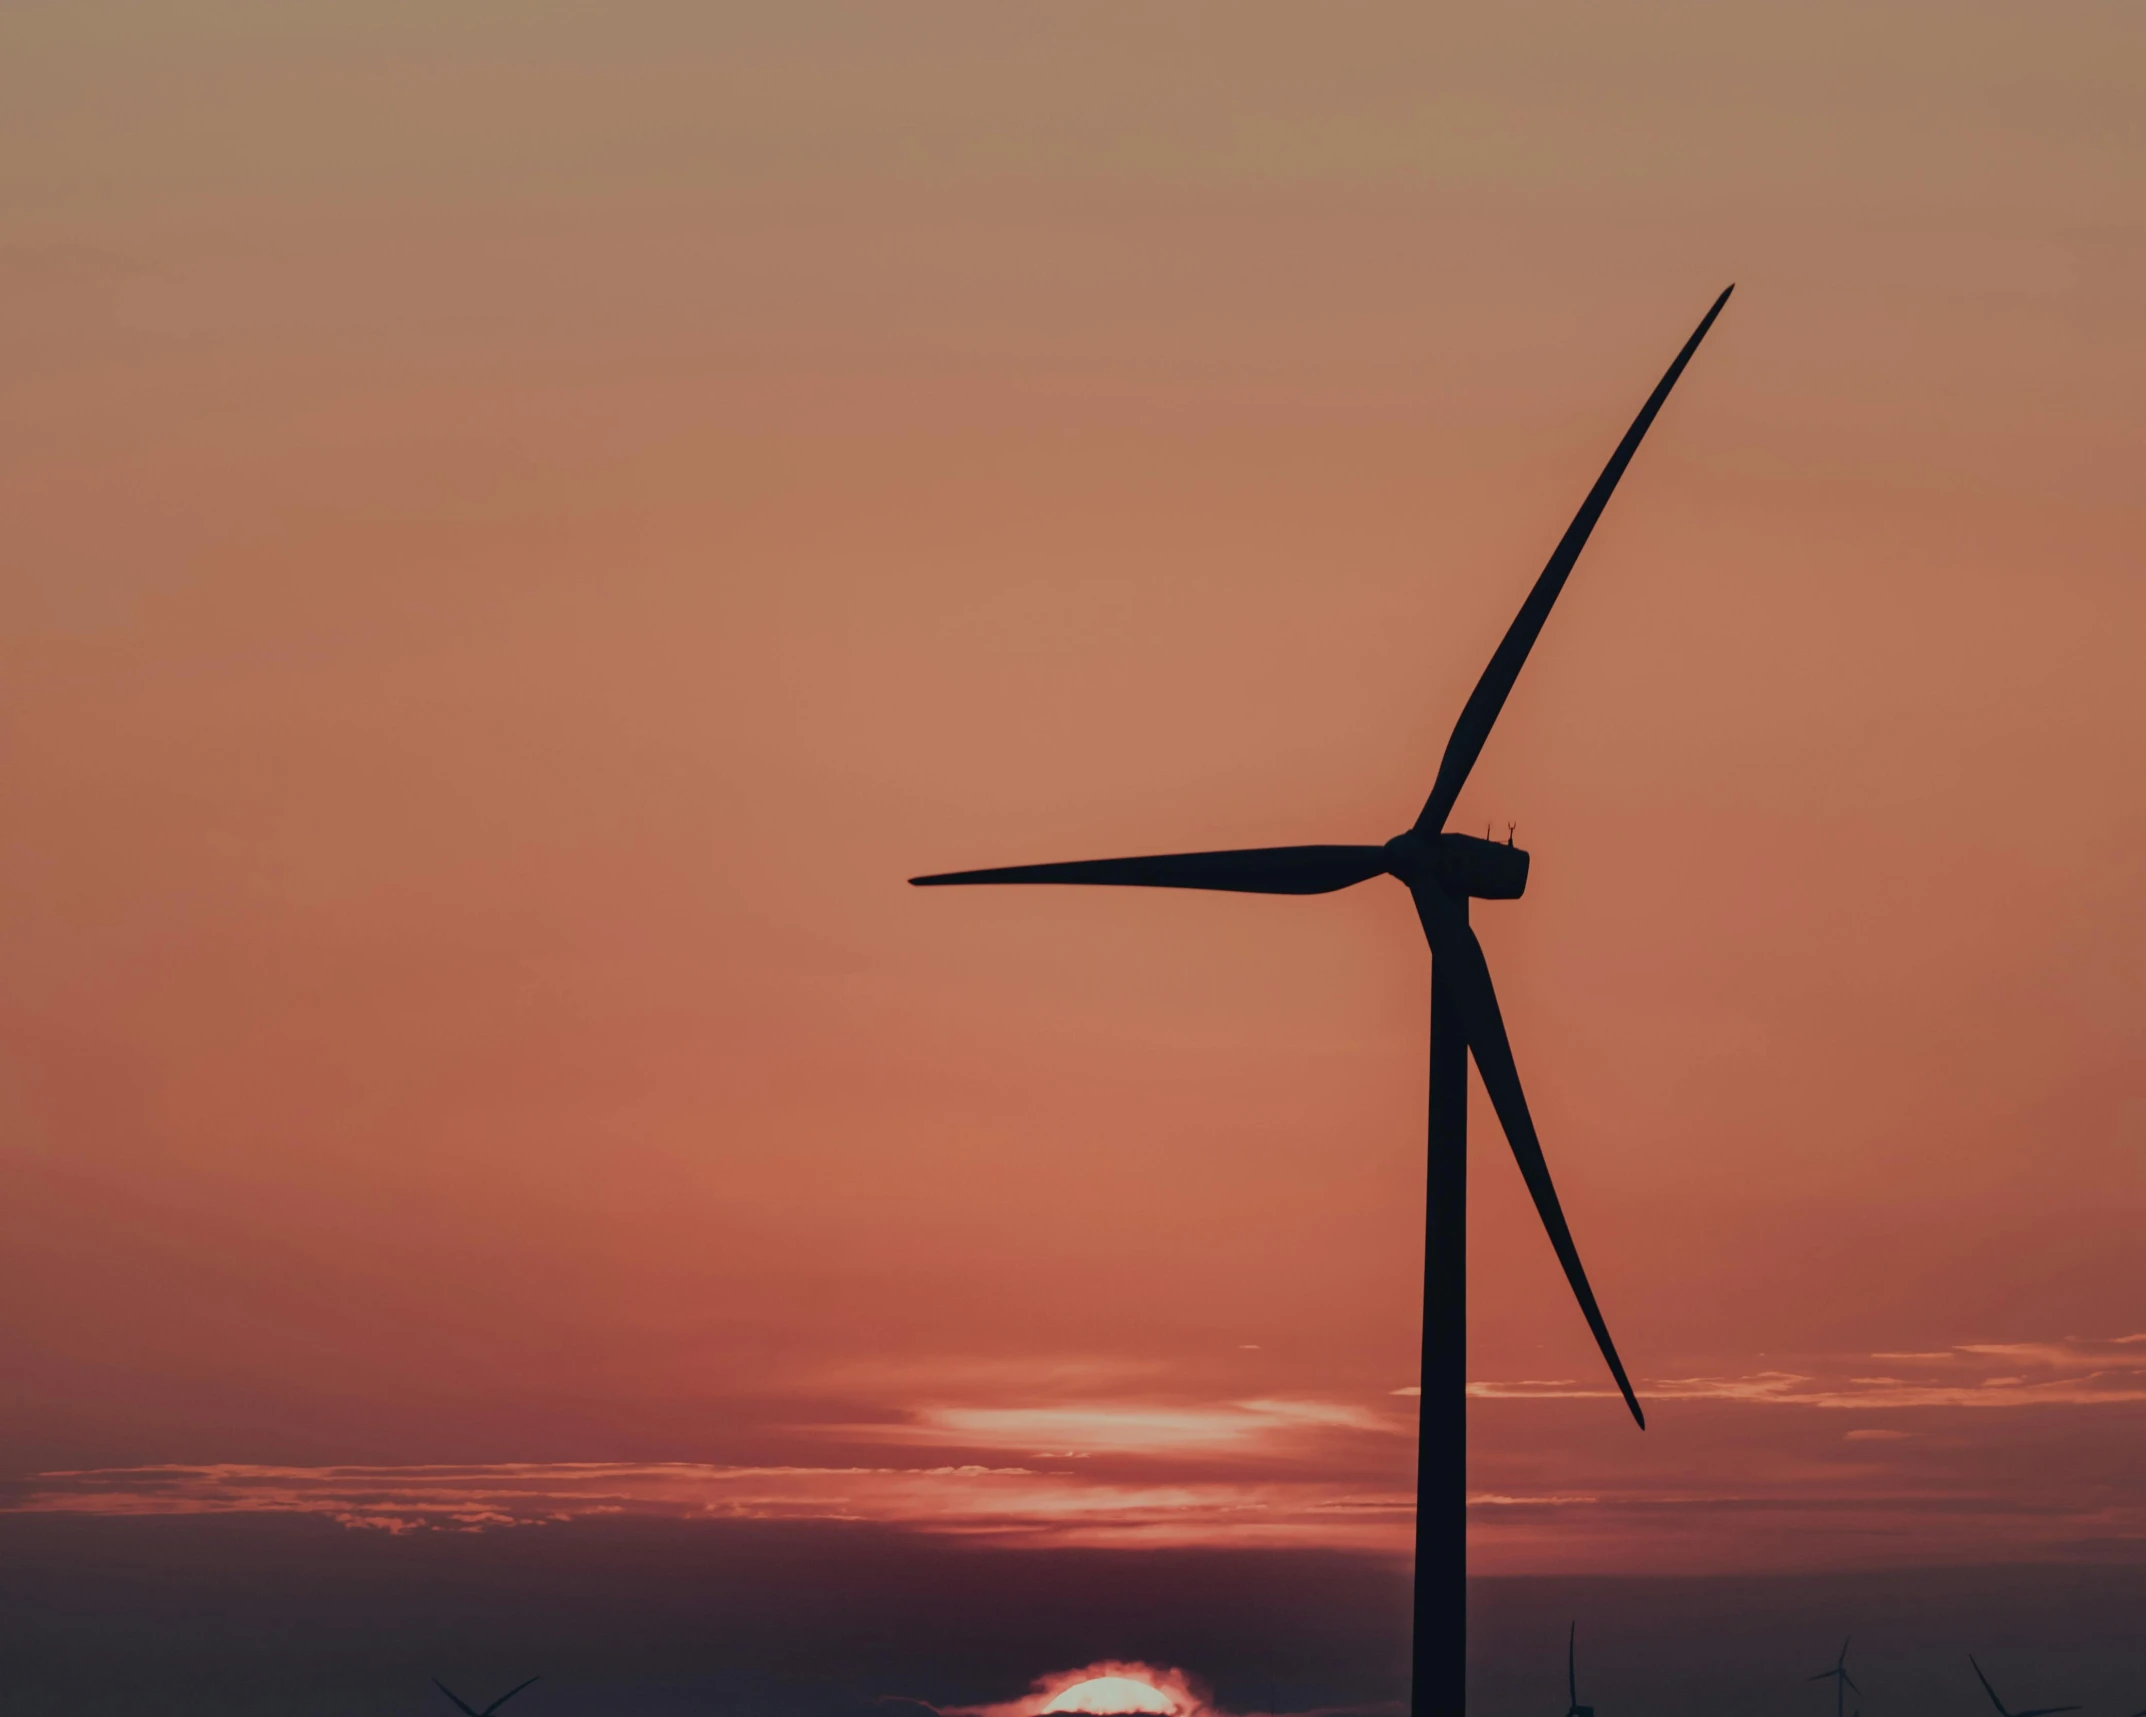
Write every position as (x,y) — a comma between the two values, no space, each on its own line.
(1460,864)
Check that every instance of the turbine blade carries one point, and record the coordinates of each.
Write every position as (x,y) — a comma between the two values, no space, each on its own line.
(509,1694)
(1454,945)
(1248,870)
(452,1694)
(1850,1680)
(1987,1688)
(1481,711)
(2048,1710)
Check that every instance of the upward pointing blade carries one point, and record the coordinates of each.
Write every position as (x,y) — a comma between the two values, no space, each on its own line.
(1248,870)
(1460,958)
(1488,698)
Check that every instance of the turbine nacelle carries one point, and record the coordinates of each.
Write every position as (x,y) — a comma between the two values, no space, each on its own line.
(1460,864)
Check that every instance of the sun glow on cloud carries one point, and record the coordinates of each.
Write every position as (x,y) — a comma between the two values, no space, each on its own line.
(1100,1428)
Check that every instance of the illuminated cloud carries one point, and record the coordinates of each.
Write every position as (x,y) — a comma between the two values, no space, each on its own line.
(1312,1472)
(1134,1428)
(1015,1505)
(1976,1375)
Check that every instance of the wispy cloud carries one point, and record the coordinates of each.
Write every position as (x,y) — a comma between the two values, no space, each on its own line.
(1011,1504)
(2070,1373)
(1271,1427)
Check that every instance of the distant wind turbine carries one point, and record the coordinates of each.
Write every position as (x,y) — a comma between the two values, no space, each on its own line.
(1573,1707)
(1443,872)
(489,1709)
(2038,1711)
(1841,1680)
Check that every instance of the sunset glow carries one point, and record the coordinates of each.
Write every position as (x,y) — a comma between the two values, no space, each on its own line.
(1114,1696)
(1110,1688)
(522,527)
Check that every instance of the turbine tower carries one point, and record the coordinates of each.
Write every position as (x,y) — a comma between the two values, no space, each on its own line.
(2039,1711)
(1841,1680)
(1443,872)
(1573,1707)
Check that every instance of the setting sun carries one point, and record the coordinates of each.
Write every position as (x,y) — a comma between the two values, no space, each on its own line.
(1114,1696)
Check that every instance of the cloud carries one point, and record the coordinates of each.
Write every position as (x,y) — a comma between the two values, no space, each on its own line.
(1975,1375)
(1016,1505)
(1062,1430)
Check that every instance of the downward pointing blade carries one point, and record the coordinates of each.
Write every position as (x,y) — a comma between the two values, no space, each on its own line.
(1248,870)
(1488,698)
(1460,955)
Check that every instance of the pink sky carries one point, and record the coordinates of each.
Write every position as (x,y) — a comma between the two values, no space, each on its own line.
(523,527)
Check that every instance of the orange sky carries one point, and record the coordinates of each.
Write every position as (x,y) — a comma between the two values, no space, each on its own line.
(522,526)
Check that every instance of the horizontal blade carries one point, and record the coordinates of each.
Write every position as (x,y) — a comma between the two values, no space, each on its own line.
(1488,698)
(1461,964)
(1248,870)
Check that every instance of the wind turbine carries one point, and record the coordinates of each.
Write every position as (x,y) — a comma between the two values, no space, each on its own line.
(1841,1680)
(1573,1707)
(2039,1711)
(1443,872)
(489,1709)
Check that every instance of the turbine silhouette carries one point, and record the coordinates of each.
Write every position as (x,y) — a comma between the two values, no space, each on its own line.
(1842,1681)
(1443,872)
(2039,1711)
(489,1709)
(1573,1707)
